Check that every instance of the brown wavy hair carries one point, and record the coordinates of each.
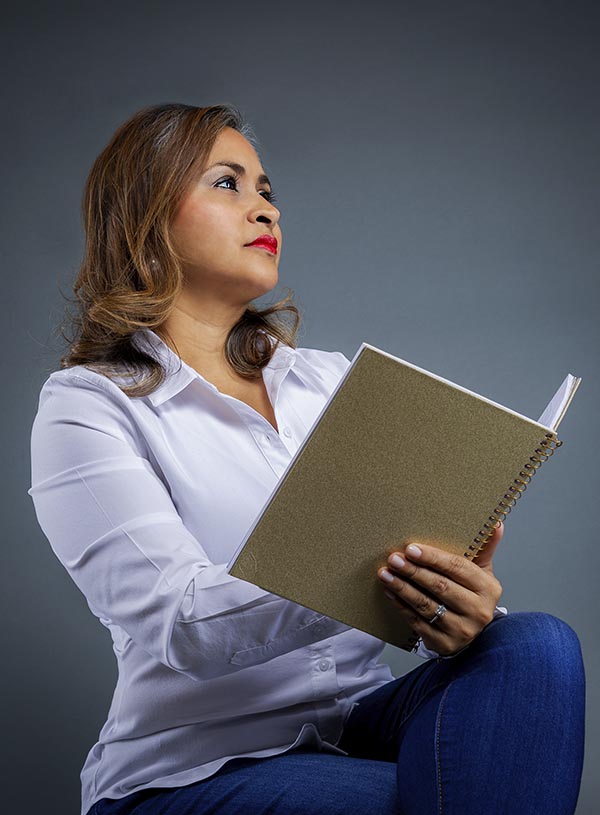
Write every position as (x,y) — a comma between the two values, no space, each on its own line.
(130,275)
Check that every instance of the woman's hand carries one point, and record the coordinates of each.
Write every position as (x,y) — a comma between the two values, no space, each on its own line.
(468,589)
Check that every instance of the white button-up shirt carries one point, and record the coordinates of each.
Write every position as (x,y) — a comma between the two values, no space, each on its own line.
(144,501)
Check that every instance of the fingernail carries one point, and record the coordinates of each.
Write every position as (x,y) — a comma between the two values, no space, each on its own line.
(385,575)
(398,561)
(389,594)
(413,550)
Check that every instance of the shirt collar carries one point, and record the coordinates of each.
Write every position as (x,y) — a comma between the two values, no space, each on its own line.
(180,374)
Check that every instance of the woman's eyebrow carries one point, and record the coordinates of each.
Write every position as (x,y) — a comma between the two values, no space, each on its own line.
(262,179)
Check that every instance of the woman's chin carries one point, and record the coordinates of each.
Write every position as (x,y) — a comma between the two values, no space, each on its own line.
(264,284)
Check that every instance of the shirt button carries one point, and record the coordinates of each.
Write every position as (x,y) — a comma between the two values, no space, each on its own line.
(287,432)
(324,665)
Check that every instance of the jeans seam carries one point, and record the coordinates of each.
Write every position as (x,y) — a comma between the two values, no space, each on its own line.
(437,747)
(393,737)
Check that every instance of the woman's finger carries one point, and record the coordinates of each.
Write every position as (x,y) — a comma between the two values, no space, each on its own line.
(402,577)
(415,616)
(448,633)
(441,590)
(484,558)
(458,568)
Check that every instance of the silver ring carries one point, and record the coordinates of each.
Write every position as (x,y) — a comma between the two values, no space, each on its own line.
(440,611)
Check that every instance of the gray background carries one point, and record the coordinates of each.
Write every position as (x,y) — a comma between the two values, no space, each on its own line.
(437,166)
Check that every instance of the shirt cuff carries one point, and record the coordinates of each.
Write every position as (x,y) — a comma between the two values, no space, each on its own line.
(420,650)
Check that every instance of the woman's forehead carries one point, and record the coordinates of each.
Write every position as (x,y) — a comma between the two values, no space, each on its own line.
(232,146)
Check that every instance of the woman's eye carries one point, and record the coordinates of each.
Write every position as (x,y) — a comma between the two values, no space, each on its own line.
(269,195)
(229,178)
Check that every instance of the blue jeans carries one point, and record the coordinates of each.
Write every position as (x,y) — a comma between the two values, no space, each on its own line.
(496,730)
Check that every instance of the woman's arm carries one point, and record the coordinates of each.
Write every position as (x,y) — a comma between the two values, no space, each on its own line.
(111,521)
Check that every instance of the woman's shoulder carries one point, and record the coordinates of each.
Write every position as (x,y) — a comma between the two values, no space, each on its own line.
(76,398)
(81,391)
(83,378)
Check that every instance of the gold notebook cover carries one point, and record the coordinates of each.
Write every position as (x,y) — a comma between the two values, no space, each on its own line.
(396,454)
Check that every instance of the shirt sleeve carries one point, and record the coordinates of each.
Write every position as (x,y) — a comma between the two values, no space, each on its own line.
(427,653)
(110,520)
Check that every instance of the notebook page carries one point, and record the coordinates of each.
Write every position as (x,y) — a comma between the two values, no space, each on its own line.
(556,408)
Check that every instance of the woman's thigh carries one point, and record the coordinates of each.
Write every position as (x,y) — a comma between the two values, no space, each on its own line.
(299,782)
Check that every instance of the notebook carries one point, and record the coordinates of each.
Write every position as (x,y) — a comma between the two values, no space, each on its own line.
(396,454)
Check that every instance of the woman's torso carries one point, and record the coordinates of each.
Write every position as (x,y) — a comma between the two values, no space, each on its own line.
(219,456)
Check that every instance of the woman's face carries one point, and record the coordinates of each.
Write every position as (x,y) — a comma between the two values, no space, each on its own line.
(223,211)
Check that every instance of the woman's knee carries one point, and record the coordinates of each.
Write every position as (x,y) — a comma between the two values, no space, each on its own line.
(536,635)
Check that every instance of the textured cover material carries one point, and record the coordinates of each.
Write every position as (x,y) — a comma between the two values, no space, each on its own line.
(397,454)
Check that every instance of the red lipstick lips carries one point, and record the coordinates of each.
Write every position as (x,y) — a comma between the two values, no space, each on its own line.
(265,242)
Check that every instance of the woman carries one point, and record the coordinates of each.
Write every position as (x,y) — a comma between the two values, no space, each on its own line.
(175,412)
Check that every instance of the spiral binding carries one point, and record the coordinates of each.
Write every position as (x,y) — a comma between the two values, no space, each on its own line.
(542,453)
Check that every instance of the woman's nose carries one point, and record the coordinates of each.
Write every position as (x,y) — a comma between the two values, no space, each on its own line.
(266,212)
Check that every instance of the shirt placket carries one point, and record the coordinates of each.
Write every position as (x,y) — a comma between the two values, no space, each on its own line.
(277,448)
(323,671)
